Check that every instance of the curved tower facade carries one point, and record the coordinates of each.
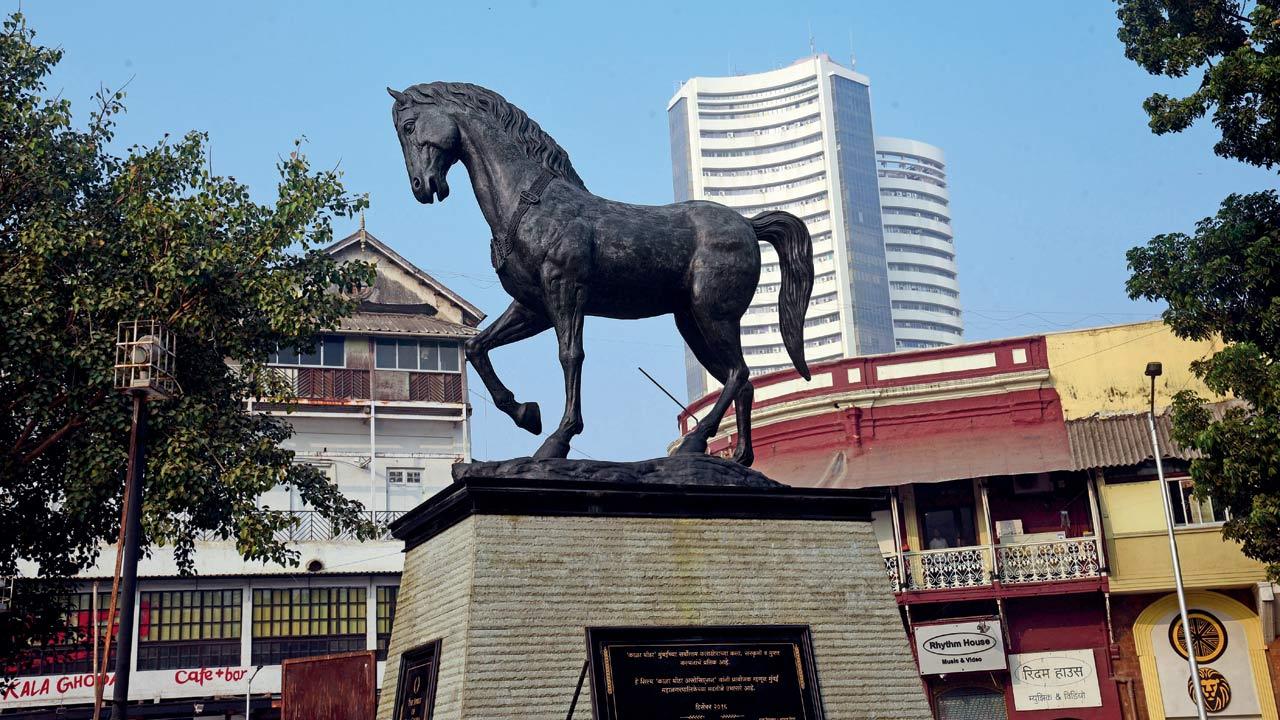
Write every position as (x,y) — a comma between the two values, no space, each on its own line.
(919,244)
(798,139)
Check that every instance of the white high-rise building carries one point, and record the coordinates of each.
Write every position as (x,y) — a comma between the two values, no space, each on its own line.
(919,244)
(799,139)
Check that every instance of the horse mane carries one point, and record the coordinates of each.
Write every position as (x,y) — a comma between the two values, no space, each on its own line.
(531,138)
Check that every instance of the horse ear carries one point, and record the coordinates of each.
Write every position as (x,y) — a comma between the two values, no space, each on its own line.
(399,96)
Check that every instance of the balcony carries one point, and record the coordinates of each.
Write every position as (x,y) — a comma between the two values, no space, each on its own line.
(973,566)
(311,526)
(344,384)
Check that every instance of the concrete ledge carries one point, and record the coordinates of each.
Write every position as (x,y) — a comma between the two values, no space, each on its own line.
(476,492)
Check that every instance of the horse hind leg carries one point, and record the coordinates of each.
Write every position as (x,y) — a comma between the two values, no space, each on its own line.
(515,323)
(742,453)
(716,345)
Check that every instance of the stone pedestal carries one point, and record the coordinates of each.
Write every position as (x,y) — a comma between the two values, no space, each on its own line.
(507,572)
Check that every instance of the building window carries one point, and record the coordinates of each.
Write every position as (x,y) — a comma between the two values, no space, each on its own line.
(189,629)
(329,351)
(1190,510)
(404,475)
(73,653)
(386,614)
(946,514)
(426,355)
(299,622)
(972,703)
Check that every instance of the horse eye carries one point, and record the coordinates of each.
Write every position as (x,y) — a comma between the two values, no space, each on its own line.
(407,127)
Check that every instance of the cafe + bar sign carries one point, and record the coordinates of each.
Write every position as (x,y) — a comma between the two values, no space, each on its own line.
(744,672)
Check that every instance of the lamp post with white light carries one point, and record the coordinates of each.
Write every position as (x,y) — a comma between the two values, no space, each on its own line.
(1154,370)
(144,370)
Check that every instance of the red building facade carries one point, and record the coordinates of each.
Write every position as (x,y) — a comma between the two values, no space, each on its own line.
(992,530)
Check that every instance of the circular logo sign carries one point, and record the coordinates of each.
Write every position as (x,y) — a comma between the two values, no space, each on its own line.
(1217,691)
(1208,636)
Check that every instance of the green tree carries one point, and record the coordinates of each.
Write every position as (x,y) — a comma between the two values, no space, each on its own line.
(88,238)
(1224,279)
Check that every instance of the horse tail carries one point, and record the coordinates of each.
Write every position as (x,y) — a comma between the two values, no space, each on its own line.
(790,238)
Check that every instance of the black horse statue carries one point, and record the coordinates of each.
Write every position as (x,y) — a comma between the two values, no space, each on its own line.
(563,253)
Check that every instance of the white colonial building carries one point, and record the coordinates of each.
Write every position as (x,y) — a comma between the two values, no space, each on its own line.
(382,410)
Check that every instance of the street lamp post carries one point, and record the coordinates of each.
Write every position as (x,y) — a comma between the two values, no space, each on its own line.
(144,369)
(248,692)
(1154,370)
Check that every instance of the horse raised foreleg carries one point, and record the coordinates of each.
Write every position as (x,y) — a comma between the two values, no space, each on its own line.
(516,323)
(567,300)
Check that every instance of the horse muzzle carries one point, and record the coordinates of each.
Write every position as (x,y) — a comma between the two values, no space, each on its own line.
(435,188)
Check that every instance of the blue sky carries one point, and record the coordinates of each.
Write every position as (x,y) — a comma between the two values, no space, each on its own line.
(1053,171)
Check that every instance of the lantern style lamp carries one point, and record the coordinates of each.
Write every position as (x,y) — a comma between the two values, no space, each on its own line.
(145,359)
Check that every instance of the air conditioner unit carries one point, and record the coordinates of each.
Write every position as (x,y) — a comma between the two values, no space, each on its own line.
(1032,484)
(1007,528)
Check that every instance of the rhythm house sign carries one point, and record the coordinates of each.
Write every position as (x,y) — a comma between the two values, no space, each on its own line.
(960,647)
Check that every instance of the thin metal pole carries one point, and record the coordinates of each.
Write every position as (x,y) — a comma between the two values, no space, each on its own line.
(100,665)
(664,391)
(898,532)
(1177,564)
(373,452)
(581,677)
(129,569)
(248,692)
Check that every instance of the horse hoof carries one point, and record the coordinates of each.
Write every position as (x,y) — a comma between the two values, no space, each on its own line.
(529,417)
(552,448)
(692,445)
(744,457)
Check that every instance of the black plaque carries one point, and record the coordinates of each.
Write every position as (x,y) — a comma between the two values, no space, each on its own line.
(732,672)
(416,689)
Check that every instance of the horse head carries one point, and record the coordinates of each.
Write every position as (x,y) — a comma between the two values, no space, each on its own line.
(430,140)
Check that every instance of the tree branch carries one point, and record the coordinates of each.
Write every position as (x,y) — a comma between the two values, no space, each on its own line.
(76,421)
(31,424)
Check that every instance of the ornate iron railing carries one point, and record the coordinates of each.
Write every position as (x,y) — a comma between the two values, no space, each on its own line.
(966,567)
(1052,560)
(311,526)
(948,568)
(894,569)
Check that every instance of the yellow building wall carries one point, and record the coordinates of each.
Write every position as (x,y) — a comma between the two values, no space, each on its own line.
(1138,545)
(1100,370)
(1128,508)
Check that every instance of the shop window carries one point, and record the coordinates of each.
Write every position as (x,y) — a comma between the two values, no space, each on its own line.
(386,602)
(1191,510)
(298,622)
(189,629)
(972,704)
(73,652)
